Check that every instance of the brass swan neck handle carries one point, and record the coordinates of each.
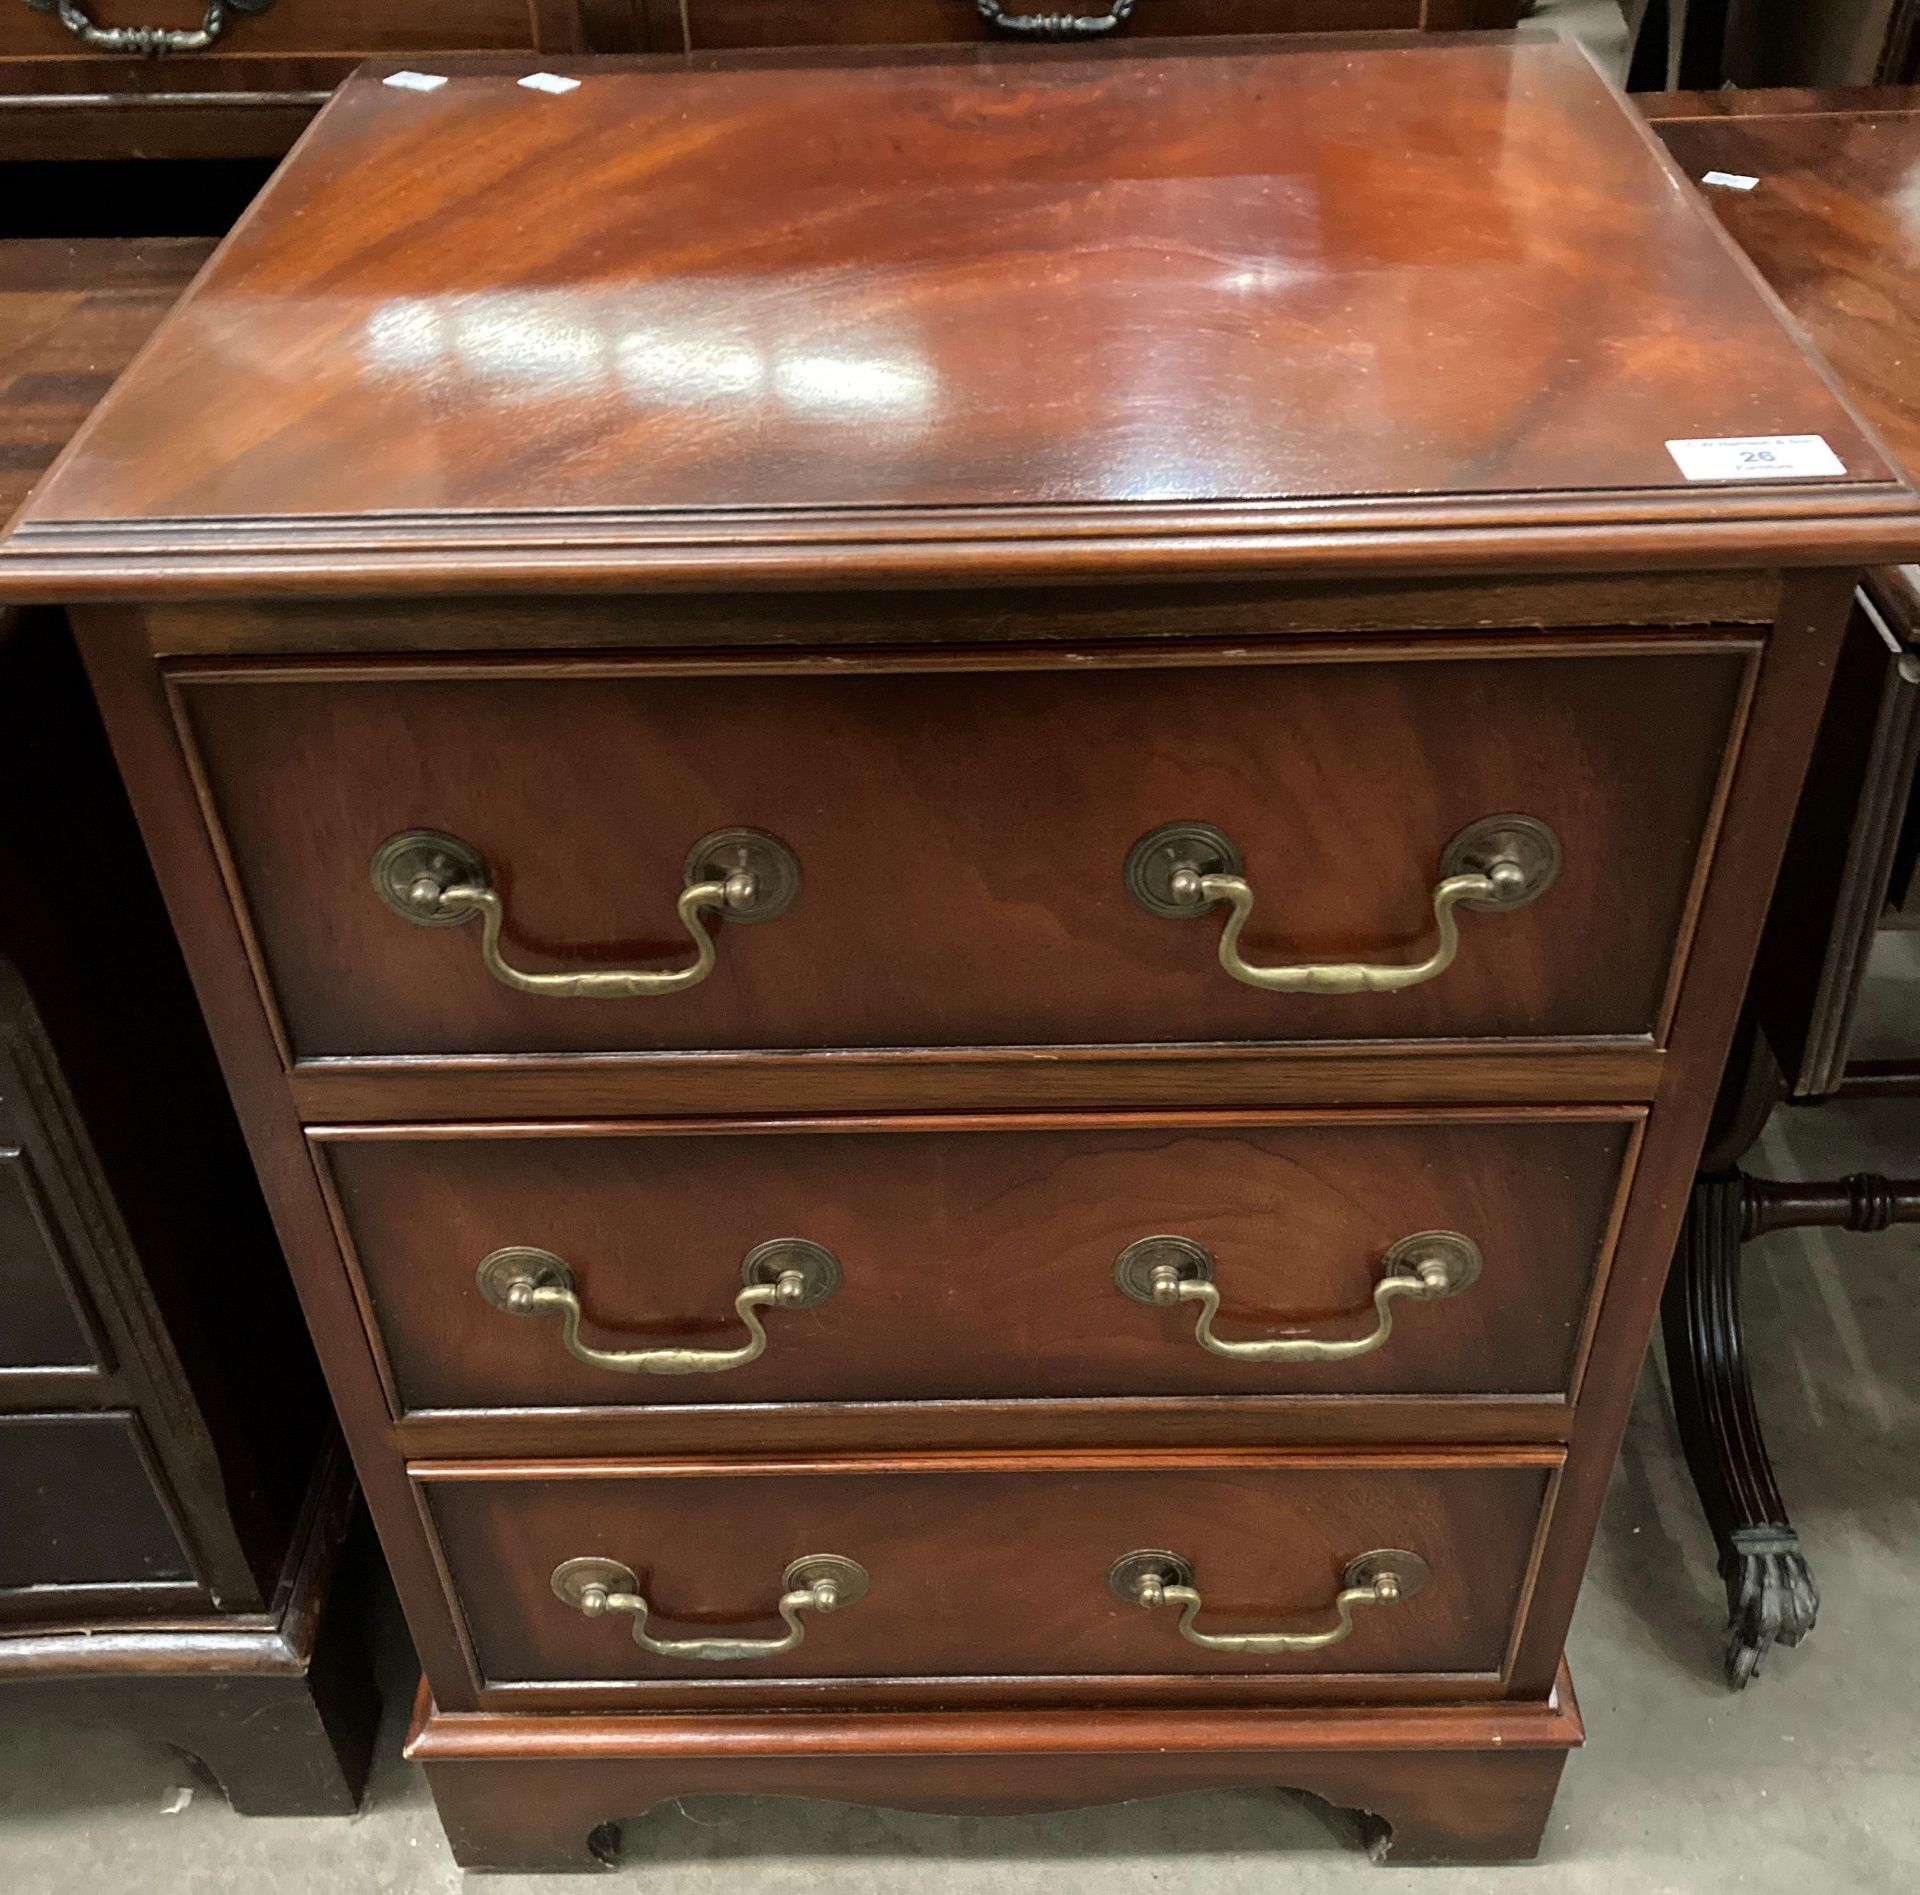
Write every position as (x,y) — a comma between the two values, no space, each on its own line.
(1385,1577)
(816,1582)
(784,1273)
(1426,1268)
(1183,869)
(437,880)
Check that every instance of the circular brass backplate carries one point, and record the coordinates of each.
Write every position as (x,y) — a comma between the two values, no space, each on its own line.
(847,1576)
(817,1266)
(1458,1256)
(1126,1573)
(1408,1568)
(1134,1267)
(1161,853)
(499,1273)
(572,1577)
(417,855)
(1522,841)
(774,867)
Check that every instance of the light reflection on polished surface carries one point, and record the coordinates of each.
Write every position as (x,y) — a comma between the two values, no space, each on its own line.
(1210,273)
(537,345)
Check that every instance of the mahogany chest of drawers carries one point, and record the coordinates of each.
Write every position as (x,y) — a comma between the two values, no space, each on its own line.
(974,883)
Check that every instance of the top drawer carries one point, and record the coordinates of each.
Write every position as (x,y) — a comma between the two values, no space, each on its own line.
(962,830)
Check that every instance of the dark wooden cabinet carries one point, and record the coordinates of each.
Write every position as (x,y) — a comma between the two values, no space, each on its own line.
(174,1501)
(974,889)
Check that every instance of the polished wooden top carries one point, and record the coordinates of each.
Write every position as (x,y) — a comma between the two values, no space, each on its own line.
(1287,306)
(1833,224)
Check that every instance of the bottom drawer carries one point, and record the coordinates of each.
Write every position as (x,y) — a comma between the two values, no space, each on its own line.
(991,1567)
(85,1521)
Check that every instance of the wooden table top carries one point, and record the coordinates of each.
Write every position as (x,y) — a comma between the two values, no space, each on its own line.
(1281,305)
(72,315)
(1833,224)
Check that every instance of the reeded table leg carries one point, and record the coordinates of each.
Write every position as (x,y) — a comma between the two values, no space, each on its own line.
(1771,1597)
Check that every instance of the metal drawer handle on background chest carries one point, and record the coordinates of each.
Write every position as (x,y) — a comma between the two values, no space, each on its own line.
(786,1273)
(438,881)
(1428,1267)
(1182,869)
(1151,1579)
(1055,25)
(818,1582)
(148,42)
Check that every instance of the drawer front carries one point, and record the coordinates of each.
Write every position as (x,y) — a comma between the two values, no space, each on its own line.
(980,1263)
(995,1573)
(42,1325)
(81,1507)
(287,26)
(962,839)
(714,24)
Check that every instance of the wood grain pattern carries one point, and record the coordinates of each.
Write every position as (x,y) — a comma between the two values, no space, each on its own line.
(72,316)
(1833,227)
(979,1262)
(1030,342)
(999,1572)
(957,827)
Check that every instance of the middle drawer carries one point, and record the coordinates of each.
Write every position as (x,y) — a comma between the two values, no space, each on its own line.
(1449,1253)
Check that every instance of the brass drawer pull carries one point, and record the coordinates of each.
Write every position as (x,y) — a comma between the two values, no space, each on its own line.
(148,42)
(1427,1267)
(1055,25)
(438,881)
(818,1582)
(1151,1579)
(786,1273)
(1182,869)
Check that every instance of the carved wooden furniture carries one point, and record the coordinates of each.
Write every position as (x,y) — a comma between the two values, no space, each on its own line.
(173,1499)
(1832,225)
(242,78)
(974,891)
